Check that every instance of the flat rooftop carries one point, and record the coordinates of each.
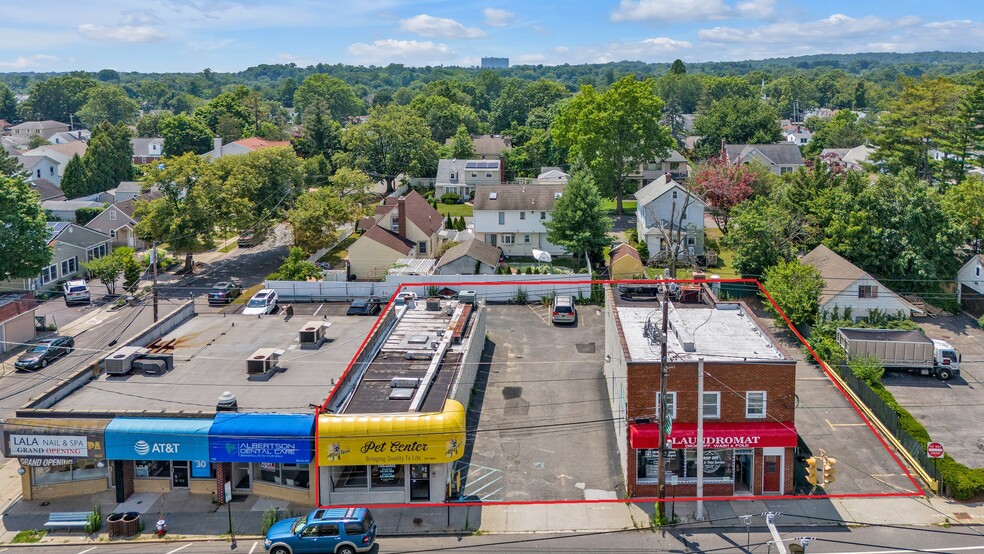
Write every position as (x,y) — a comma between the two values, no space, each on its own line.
(726,332)
(210,353)
(407,353)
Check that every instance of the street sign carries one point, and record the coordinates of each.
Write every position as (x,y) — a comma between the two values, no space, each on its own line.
(228,491)
(934,449)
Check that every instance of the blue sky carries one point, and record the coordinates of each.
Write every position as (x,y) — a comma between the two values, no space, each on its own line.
(230,35)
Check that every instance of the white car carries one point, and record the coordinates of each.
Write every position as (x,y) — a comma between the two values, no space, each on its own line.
(263,302)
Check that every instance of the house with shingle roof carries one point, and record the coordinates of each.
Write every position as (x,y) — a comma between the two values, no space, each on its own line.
(146,149)
(664,201)
(970,286)
(44,128)
(488,146)
(47,190)
(118,221)
(512,216)
(780,158)
(462,176)
(471,257)
(241,146)
(405,226)
(60,154)
(71,245)
(625,263)
(850,288)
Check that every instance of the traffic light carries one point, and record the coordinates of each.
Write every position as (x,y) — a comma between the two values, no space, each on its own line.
(812,468)
(829,467)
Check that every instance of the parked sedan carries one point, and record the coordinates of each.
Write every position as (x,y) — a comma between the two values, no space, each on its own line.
(44,352)
(364,306)
(223,292)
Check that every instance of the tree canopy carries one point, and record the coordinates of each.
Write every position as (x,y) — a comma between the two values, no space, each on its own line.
(579,222)
(23,230)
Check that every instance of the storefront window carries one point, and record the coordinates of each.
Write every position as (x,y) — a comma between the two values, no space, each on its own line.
(79,470)
(387,476)
(682,464)
(154,468)
(349,477)
(287,475)
(717,465)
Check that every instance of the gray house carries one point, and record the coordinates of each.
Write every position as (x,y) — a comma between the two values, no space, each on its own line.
(71,245)
(472,257)
(118,221)
(780,158)
(461,176)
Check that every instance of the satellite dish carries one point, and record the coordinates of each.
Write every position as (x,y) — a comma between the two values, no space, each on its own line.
(542,256)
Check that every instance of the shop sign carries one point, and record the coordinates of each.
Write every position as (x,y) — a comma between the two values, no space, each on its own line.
(722,442)
(200,469)
(712,461)
(260,450)
(62,446)
(44,462)
(384,450)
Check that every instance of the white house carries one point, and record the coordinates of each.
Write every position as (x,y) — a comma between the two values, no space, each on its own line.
(511,216)
(664,201)
(60,154)
(970,285)
(848,287)
(242,146)
(462,176)
(798,135)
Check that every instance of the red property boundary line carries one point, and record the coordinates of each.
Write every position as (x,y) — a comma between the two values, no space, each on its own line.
(634,500)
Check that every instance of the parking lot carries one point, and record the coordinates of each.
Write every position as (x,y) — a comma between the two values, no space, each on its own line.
(544,428)
(949,411)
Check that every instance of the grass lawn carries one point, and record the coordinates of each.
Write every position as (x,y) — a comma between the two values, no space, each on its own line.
(455,210)
(336,255)
(524,261)
(628,206)
(28,536)
(726,256)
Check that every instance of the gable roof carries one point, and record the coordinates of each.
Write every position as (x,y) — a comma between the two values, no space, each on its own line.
(658,187)
(783,153)
(622,250)
(389,239)
(539,197)
(835,270)
(59,152)
(475,249)
(127,207)
(46,124)
(445,167)
(47,190)
(256,143)
(128,186)
(141,145)
(422,214)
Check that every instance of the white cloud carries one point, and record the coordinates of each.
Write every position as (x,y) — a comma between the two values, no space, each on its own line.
(495,17)
(657,49)
(383,52)
(136,17)
(691,10)
(830,31)
(26,62)
(429,26)
(123,33)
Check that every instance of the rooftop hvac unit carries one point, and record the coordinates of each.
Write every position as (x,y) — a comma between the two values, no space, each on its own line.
(419,355)
(313,333)
(121,361)
(150,367)
(262,361)
(466,297)
(433,304)
(404,382)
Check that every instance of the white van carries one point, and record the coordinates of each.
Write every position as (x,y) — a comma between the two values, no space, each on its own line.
(76,292)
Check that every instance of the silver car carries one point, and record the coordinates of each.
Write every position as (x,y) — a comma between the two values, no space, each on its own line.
(563,310)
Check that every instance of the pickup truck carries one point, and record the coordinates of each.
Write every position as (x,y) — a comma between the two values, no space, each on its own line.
(905,350)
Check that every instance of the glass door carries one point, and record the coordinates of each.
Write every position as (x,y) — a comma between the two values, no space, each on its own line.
(241,477)
(420,482)
(744,460)
(179,475)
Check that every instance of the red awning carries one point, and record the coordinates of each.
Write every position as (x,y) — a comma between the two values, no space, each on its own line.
(758,434)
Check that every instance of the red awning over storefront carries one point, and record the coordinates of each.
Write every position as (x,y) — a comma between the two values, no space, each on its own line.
(759,434)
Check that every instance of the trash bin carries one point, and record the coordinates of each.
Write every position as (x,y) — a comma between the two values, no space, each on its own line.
(115,523)
(130,524)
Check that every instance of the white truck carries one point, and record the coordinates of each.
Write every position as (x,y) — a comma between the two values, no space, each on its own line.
(906,350)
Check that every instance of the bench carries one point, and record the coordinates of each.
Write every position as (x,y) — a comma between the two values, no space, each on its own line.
(67,520)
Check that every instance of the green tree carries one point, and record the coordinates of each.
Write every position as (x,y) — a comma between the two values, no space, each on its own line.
(392,141)
(229,128)
(296,268)
(579,221)
(109,157)
(736,121)
(186,216)
(517,100)
(614,131)
(23,230)
(75,181)
(8,103)
(720,88)
(131,267)
(321,133)
(257,188)
(85,215)
(9,165)
(462,146)
(762,235)
(796,288)
(149,125)
(339,98)
(106,269)
(356,188)
(316,217)
(184,133)
(869,369)
(964,205)
(37,141)
(844,130)
(444,117)
(58,97)
(677,67)
(108,103)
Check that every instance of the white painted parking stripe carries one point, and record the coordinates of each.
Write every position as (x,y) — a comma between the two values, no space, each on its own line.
(254,542)
(88,550)
(180,548)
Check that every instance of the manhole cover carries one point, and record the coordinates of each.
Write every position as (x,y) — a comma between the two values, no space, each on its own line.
(585,348)
(510,393)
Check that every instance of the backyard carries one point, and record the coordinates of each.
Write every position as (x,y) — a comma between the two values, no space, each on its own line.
(337,255)
(455,210)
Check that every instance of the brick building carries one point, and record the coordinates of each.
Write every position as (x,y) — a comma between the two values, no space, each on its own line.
(748,398)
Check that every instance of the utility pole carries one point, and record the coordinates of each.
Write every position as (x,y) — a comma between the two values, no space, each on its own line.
(699,516)
(661,459)
(153,287)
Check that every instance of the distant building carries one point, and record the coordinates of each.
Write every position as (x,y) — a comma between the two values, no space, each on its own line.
(495,63)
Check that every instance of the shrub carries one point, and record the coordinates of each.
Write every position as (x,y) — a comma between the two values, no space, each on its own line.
(826,348)
(450,198)
(868,369)
(94,521)
(981,322)
(85,215)
(28,536)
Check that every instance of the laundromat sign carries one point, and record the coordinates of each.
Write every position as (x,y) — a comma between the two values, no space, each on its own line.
(61,446)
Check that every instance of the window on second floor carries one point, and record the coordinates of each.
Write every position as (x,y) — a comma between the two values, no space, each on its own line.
(502,218)
(112,215)
(422,247)
(674,195)
(712,405)
(785,170)
(670,405)
(522,215)
(51,170)
(395,224)
(867,291)
(543,216)
(755,404)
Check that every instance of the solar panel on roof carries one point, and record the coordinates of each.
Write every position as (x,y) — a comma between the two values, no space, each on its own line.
(473,165)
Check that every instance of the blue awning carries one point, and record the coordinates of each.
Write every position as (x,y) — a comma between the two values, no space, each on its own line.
(282,438)
(133,438)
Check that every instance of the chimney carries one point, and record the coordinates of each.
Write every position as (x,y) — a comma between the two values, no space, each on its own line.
(401,216)
(217,146)
(502,169)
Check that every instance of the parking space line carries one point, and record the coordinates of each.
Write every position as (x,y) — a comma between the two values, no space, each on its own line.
(181,548)
(87,550)
(834,426)
(253,547)
(542,318)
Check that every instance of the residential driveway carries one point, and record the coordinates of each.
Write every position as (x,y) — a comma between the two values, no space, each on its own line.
(950,411)
(545,428)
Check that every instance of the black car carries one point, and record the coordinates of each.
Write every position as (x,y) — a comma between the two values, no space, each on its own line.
(364,306)
(44,352)
(250,238)
(223,292)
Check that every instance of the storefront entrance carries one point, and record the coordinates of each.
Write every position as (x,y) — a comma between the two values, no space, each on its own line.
(772,474)
(179,475)
(420,482)
(241,477)
(744,462)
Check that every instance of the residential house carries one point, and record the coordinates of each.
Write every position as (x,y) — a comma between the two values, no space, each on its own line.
(60,154)
(47,190)
(462,176)
(118,221)
(44,128)
(849,290)
(674,164)
(41,167)
(71,245)
(781,158)
(488,146)
(970,286)
(664,202)
(64,210)
(625,263)
(4,127)
(404,227)
(123,191)
(472,257)
(242,146)
(65,137)
(146,150)
(798,135)
(553,175)
(512,216)
(847,158)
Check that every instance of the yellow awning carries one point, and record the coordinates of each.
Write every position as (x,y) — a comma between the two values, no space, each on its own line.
(398,438)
